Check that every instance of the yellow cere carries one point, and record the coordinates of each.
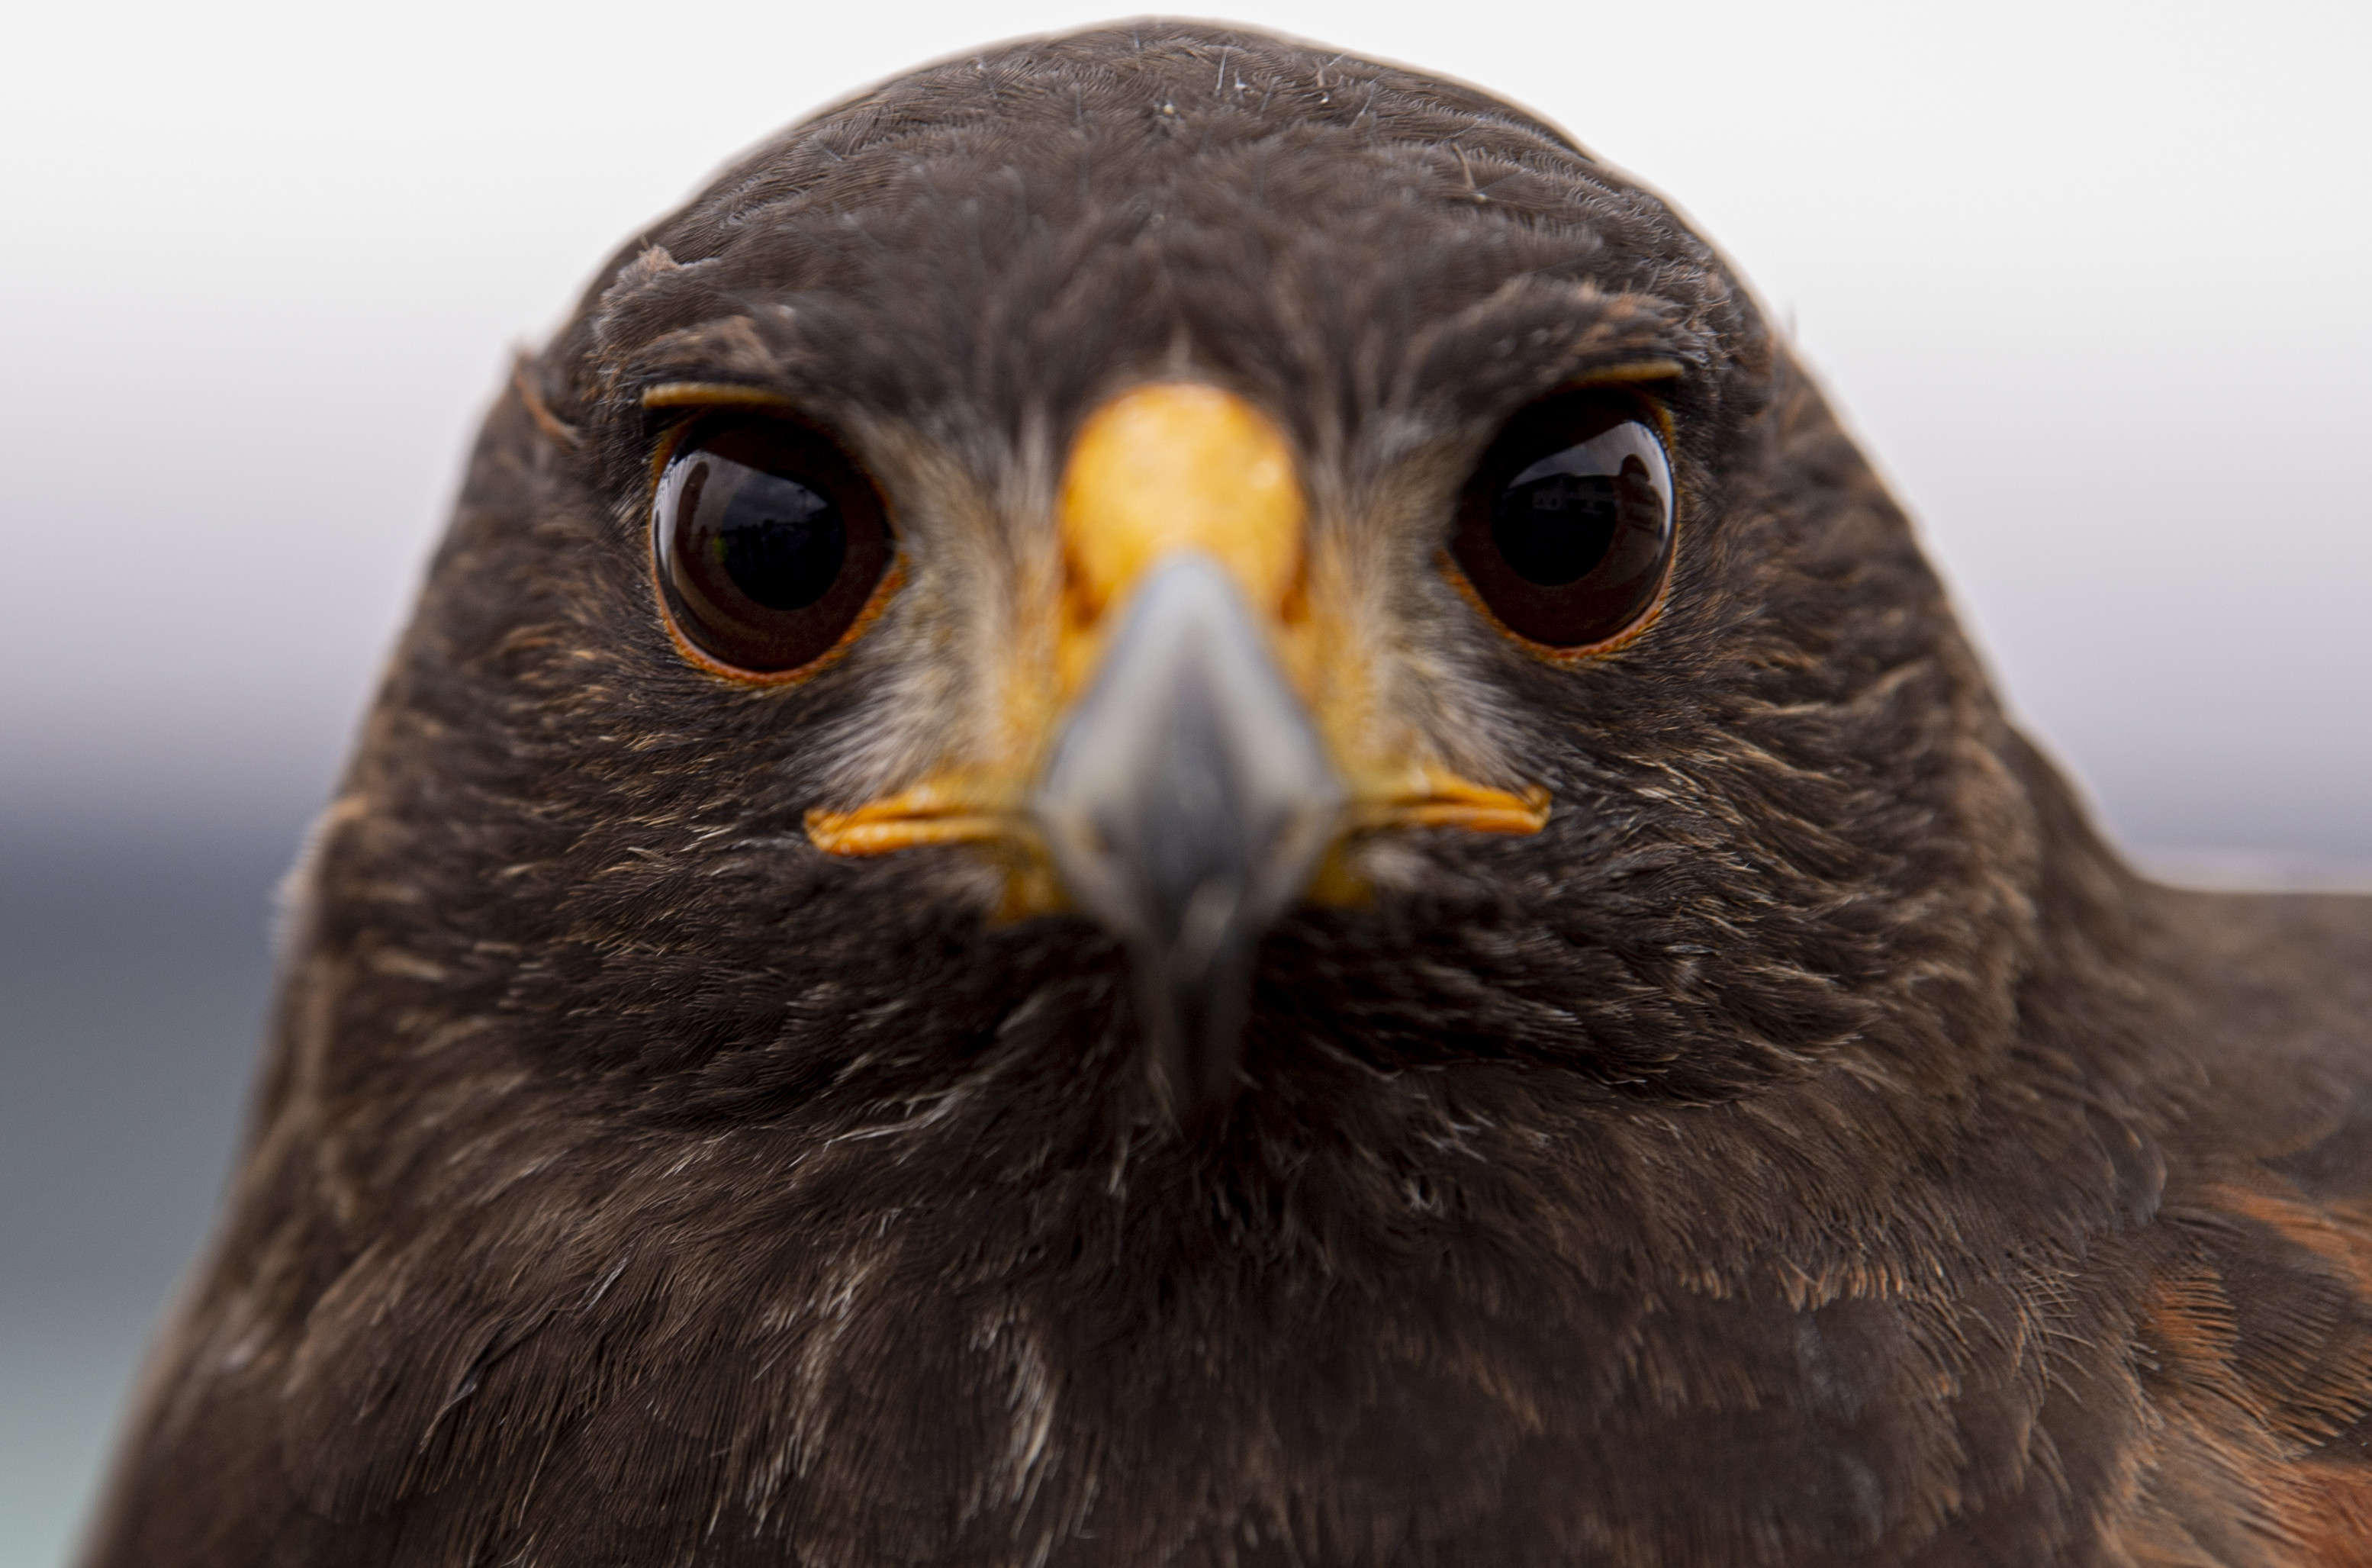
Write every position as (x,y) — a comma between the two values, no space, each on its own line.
(1166,468)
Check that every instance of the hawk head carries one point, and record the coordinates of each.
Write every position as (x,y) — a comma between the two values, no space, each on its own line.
(1166,574)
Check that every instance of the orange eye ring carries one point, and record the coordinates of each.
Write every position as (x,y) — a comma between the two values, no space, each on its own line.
(1566,530)
(1546,652)
(771,550)
(692,654)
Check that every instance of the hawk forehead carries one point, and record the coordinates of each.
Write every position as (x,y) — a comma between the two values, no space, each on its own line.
(1016,228)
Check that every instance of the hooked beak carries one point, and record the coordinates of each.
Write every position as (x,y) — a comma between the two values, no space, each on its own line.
(1193,732)
(1187,804)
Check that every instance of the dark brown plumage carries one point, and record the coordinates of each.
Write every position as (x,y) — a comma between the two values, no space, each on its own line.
(1812,1146)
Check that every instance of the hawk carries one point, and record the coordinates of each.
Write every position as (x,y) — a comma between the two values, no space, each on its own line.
(1171,800)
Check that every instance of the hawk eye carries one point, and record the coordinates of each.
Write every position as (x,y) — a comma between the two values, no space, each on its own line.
(1564,532)
(770,542)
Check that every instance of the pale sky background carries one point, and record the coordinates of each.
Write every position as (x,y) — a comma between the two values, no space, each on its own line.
(2092,280)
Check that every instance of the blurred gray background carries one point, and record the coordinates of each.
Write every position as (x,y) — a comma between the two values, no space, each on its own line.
(2090,278)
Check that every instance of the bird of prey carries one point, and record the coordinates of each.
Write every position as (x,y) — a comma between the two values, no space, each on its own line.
(1169,800)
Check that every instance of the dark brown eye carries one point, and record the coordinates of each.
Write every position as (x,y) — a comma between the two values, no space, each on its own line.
(770,542)
(1565,529)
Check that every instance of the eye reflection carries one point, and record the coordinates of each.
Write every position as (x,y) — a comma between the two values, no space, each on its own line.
(1565,529)
(781,542)
(769,542)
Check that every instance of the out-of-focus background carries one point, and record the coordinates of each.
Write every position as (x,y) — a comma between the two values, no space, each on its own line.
(2090,278)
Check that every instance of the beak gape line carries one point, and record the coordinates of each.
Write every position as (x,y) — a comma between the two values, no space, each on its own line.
(1193,734)
(1188,802)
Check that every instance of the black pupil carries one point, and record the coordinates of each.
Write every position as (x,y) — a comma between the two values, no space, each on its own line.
(780,542)
(1554,530)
